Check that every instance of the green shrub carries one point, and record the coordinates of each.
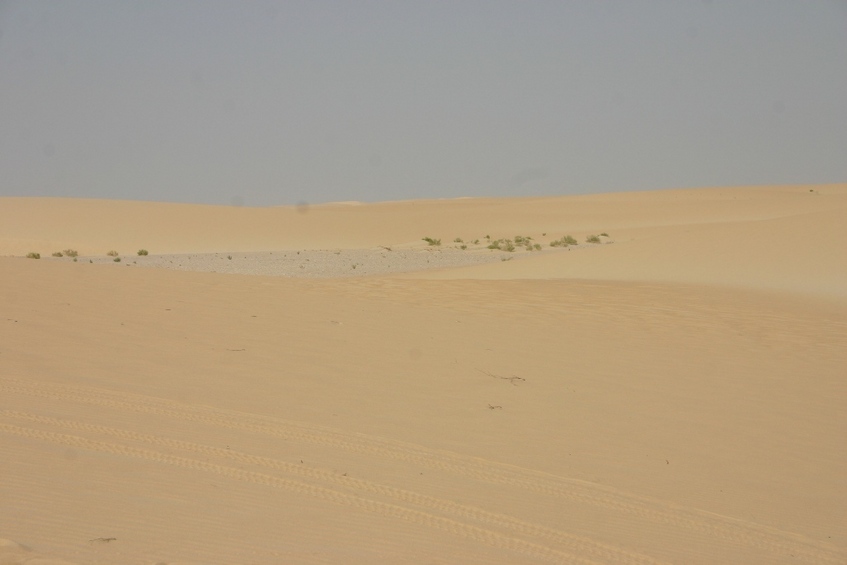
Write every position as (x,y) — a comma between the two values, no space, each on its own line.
(142,252)
(458,240)
(592,239)
(112,253)
(117,259)
(563,242)
(502,245)
(432,241)
(33,255)
(604,234)
(71,252)
(57,254)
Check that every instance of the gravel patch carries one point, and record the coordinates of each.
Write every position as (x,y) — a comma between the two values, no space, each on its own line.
(338,263)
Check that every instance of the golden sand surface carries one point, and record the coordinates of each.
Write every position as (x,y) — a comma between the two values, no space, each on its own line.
(673,394)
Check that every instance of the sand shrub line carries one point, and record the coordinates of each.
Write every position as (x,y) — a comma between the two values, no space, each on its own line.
(706,523)
(520,241)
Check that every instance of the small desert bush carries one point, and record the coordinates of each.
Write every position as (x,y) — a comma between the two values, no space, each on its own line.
(592,239)
(142,252)
(604,234)
(563,242)
(458,240)
(463,246)
(432,241)
(70,252)
(112,253)
(33,255)
(117,259)
(502,245)
(57,254)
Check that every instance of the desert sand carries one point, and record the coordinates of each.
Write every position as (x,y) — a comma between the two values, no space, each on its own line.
(243,394)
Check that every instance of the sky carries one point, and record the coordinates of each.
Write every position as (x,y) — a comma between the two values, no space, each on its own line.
(275,103)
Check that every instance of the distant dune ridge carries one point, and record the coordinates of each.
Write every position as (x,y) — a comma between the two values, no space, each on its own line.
(784,237)
(319,384)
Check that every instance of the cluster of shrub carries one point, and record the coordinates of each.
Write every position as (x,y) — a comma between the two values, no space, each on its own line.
(526,242)
(73,253)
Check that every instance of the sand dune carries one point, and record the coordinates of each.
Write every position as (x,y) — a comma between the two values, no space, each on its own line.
(675,396)
(96,226)
(802,253)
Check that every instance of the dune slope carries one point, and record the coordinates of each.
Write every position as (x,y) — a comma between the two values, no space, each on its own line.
(547,409)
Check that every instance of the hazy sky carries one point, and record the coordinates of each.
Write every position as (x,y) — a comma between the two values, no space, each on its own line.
(264,103)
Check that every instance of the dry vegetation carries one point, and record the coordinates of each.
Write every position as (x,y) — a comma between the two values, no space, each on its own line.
(518,242)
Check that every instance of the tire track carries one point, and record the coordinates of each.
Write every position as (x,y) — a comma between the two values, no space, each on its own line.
(701,522)
(418,517)
(574,544)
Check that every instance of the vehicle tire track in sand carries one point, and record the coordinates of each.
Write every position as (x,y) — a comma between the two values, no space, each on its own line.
(575,544)
(468,531)
(701,522)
